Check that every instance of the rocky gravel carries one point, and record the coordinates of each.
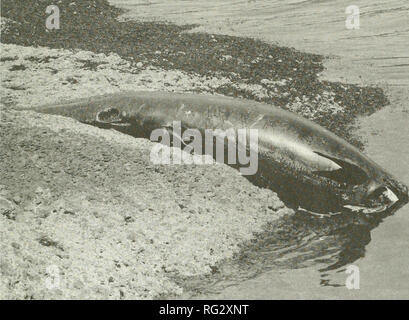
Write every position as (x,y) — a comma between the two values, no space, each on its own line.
(84,213)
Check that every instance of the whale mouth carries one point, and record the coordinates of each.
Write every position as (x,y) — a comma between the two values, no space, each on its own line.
(364,194)
(378,201)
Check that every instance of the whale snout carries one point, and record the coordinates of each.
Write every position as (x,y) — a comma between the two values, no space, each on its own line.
(400,190)
(378,197)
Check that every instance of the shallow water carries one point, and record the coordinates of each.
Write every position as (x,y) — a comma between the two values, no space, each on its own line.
(377,53)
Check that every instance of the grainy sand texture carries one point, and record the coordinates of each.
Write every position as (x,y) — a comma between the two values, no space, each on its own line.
(90,202)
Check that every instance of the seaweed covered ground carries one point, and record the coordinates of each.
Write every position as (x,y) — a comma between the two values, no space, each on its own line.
(254,69)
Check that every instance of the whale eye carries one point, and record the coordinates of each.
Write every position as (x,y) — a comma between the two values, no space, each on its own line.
(108,115)
(349,173)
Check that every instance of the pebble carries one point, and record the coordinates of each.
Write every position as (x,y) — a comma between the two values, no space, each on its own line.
(17,199)
(7,209)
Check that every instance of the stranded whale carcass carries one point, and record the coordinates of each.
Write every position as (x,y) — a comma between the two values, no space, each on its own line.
(308,166)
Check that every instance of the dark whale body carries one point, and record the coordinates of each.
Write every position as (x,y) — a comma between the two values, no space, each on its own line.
(308,166)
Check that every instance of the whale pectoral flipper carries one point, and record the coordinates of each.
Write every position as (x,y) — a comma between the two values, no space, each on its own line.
(349,173)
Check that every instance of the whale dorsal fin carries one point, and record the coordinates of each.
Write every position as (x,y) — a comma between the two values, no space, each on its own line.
(349,173)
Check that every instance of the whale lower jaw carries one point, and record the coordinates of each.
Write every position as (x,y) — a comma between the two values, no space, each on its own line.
(388,194)
(360,209)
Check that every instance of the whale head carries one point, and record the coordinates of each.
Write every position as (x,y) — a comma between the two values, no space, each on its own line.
(367,188)
(377,195)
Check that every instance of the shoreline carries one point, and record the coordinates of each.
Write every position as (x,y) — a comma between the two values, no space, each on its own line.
(111,56)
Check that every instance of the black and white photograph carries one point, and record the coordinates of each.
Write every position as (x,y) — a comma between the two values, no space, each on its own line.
(192,150)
